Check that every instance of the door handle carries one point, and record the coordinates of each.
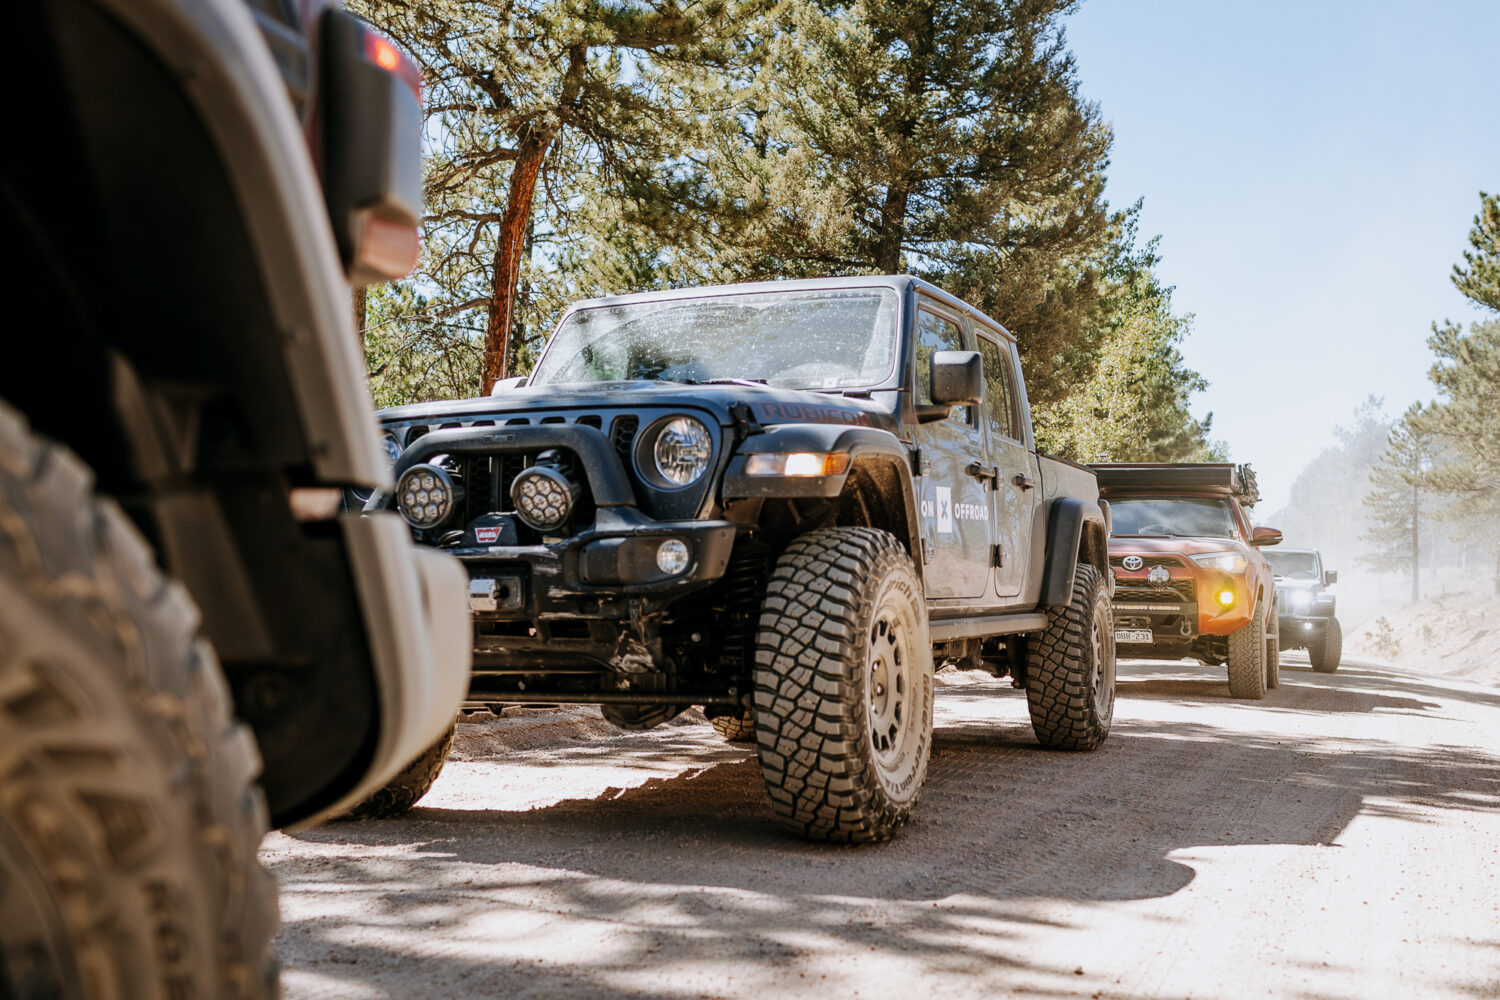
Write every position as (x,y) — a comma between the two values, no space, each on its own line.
(1024,481)
(982,472)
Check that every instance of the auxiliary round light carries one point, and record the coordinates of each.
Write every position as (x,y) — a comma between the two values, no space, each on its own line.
(426,495)
(544,497)
(672,556)
(1226,598)
(682,451)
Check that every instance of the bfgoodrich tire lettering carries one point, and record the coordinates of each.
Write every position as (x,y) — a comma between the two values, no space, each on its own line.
(1070,668)
(843,686)
(402,792)
(129,817)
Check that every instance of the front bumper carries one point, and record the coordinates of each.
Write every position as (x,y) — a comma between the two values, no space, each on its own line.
(589,573)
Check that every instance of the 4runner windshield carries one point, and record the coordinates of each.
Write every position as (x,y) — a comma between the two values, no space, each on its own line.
(1294,565)
(819,339)
(1195,518)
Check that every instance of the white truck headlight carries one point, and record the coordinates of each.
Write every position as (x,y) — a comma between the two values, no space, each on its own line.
(682,451)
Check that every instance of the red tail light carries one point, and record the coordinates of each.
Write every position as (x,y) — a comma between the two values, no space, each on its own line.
(383,53)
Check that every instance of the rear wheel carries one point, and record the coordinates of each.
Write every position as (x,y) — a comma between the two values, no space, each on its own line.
(1327,652)
(129,814)
(1247,660)
(843,686)
(401,793)
(736,728)
(1070,668)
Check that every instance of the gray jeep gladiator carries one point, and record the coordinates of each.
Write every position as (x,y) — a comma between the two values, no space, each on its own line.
(1307,606)
(195,641)
(784,503)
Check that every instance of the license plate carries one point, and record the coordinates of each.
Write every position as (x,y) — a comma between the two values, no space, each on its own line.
(1135,635)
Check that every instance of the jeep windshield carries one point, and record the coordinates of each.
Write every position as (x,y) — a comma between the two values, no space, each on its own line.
(836,338)
(1176,516)
(1294,565)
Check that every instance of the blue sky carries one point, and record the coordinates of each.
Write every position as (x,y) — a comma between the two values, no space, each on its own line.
(1313,169)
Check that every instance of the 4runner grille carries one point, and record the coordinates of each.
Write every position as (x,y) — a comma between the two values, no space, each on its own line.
(1178,590)
(1148,562)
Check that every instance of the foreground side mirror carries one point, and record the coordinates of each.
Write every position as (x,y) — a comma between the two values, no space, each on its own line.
(1265,536)
(1331,576)
(957,378)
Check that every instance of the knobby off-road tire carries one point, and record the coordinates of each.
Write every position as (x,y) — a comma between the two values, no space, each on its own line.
(1247,659)
(401,793)
(129,814)
(843,686)
(1070,668)
(1273,647)
(1328,652)
(736,728)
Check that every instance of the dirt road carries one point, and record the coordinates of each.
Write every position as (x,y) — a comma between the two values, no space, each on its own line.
(1338,840)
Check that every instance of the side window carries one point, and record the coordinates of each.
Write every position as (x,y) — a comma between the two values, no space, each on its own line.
(936,333)
(999,392)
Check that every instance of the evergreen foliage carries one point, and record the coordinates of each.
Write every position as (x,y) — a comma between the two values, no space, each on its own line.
(579,147)
(1399,498)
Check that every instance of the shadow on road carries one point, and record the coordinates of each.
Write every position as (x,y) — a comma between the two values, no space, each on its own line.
(1001,821)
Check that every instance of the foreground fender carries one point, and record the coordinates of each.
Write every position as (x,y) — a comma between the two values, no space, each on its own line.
(416,607)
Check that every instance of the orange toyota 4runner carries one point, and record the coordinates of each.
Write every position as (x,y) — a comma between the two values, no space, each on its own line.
(1190,578)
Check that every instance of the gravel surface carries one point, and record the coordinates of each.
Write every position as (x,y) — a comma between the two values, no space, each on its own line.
(1337,840)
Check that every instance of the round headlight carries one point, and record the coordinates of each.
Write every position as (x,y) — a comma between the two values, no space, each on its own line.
(683,448)
(543,496)
(1301,600)
(426,495)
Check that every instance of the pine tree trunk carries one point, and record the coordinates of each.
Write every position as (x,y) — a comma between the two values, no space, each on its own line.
(1416,546)
(892,229)
(507,265)
(361,306)
(515,227)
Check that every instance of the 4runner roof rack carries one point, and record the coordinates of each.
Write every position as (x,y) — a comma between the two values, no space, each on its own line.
(1206,477)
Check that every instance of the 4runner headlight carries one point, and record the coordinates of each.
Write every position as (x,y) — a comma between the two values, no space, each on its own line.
(426,495)
(1229,562)
(682,451)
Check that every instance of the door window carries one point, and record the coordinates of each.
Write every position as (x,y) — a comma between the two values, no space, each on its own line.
(936,333)
(999,391)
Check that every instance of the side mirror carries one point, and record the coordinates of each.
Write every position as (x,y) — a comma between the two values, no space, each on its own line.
(1265,536)
(504,384)
(957,378)
(1331,576)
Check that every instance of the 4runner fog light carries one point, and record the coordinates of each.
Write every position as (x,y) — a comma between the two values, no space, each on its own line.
(426,495)
(672,556)
(544,497)
(1226,598)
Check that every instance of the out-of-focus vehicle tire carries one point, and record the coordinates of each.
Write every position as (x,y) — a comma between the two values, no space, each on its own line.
(129,812)
(1327,652)
(401,793)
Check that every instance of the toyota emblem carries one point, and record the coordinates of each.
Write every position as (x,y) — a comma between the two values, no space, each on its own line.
(1132,563)
(1158,577)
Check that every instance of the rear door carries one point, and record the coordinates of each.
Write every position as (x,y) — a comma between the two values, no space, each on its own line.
(955,509)
(1013,496)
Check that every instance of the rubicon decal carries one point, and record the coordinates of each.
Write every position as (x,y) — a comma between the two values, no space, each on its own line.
(801,413)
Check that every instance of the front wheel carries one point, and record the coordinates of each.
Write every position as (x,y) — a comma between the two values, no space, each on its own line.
(399,795)
(1070,668)
(843,686)
(1247,659)
(736,728)
(129,810)
(1327,652)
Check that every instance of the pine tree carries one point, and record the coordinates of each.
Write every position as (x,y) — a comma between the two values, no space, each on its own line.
(1399,497)
(1466,416)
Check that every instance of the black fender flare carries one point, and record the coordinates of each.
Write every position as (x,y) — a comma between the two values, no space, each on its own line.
(867,447)
(1066,521)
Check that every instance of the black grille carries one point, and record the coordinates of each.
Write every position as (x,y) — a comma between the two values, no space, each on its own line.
(622,435)
(1179,591)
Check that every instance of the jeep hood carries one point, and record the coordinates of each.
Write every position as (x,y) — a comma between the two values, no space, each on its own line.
(768,405)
